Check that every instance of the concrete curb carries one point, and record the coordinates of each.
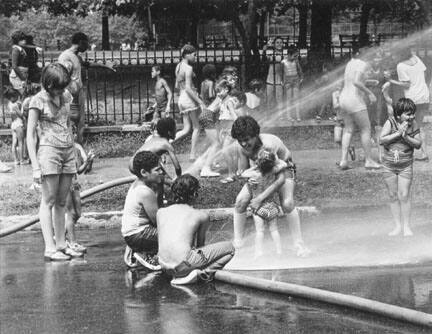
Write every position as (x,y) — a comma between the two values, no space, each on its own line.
(112,219)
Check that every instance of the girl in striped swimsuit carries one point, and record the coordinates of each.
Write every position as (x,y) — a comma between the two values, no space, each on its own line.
(400,136)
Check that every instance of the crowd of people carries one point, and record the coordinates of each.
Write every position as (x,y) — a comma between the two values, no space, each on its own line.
(161,228)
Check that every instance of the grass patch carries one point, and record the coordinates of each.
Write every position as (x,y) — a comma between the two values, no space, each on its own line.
(321,189)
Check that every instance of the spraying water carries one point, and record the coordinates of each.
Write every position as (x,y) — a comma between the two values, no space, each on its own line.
(365,242)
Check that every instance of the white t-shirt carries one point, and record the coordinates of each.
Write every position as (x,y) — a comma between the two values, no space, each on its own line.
(352,99)
(418,90)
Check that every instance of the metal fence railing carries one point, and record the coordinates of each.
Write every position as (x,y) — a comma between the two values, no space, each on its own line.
(124,96)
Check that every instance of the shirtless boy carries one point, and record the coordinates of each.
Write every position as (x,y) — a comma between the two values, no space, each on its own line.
(159,144)
(247,133)
(181,236)
(163,95)
(139,216)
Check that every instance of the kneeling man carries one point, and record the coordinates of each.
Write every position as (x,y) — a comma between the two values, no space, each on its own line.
(181,237)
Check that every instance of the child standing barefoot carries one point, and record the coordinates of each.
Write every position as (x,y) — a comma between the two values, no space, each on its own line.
(400,136)
(260,177)
(17,125)
(73,203)
(292,79)
(54,163)
(163,95)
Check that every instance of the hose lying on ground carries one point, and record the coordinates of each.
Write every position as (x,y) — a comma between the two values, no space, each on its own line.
(84,194)
(358,303)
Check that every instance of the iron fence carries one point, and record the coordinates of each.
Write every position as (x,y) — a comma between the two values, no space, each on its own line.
(125,95)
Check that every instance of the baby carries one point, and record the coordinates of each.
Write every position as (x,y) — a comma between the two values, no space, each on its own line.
(260,177)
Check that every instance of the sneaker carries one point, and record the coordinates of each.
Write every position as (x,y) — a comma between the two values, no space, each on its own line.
(4,168)
(25,162)
(17,163)
(129,259)
(206,172)
(71,252)
(56,256)
(76,247)
(147,260)
(191,278)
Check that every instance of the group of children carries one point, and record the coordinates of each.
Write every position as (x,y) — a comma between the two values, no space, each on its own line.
(172,239)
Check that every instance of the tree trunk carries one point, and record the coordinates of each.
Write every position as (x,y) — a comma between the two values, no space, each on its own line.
(193,30)
(262,21)
(303,9)
(364,18)
(105,32)
(248,34)
(320,48)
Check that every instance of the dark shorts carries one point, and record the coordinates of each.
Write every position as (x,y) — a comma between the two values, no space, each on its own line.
(144,241)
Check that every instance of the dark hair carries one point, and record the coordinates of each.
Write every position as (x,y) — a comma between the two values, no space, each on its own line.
(166,128)
(187,50)
(55,76)
(157,68)
(144,160)
(276,38)
(245,126)
(405,53)
(292,50)
(17,36)
(209,71)
(256,84)
(240,95)
(10,92)
(185,188)
(404,105)
(79,37)
(29,39)
(223,84)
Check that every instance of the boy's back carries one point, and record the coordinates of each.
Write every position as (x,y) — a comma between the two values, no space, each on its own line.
(177,226)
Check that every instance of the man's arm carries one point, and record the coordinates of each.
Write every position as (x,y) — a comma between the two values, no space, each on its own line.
(270,190)
(174,159)
(148,199)
(204,221)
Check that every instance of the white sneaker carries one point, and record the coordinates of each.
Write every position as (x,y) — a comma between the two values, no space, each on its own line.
(191,278)
(206,172)
(4,168)
(76,246)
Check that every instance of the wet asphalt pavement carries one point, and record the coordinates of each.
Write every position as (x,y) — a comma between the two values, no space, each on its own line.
(99,295)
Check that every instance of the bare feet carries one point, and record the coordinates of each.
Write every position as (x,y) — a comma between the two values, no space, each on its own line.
(407,232)
(396,231)
(301,250)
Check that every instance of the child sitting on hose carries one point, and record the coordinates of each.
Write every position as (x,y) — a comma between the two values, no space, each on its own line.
(266,171)
(139,215)
(159,143)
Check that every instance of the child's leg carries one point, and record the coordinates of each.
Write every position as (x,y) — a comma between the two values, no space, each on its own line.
(337,134)
(295,96)
(404,195)
(275,235)
(64,184)
(20,142)
(378,130)
(15,146)
(73,213)
(259,236)
(392,187)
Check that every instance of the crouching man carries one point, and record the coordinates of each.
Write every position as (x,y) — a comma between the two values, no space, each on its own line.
(181,237)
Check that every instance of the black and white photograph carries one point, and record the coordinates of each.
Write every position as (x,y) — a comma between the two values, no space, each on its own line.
(215,166)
